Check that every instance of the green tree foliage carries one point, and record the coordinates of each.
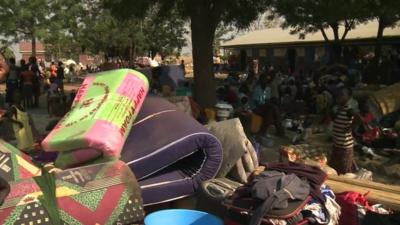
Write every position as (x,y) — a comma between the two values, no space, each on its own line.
(310,16)
(204,16)
(6,52)
(164,36)
(223,33)
(63,40)
(387,12)
(27,19)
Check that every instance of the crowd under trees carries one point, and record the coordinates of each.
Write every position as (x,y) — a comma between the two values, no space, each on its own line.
(128,28)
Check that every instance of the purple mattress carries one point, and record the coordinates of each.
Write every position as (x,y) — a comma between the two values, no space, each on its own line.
(170,152)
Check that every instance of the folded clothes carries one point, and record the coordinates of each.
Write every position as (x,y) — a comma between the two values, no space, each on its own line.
(100,119)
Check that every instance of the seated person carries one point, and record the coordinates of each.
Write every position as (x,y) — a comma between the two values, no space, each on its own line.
(367,130)
(266,107)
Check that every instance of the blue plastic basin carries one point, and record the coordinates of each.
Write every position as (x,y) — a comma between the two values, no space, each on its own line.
(181,217)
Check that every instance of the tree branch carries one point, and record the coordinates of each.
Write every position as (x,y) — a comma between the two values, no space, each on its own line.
(347,27)
(324,34)
(216,12)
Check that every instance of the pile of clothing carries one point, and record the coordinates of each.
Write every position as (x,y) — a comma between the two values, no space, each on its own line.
(285,193)
(293,194)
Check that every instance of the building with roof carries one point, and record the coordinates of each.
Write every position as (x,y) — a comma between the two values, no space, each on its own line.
(279,47)
(25,50)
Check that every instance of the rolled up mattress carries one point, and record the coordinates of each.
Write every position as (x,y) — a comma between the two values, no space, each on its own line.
(100,119)
(386,100)
(170,152)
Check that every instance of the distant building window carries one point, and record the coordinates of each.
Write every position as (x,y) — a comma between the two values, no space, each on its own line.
(300,52)
(319,53)
(262,52)
(279,52)
(249,52)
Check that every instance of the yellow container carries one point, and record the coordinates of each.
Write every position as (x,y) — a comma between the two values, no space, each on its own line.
(256,122)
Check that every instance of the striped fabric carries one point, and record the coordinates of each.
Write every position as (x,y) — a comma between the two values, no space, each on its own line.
(342,136)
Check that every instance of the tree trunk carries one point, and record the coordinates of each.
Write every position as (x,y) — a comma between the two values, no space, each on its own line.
(374,72)
(336,47)
(203,26)
(324,34)
(378,47)
(33,45)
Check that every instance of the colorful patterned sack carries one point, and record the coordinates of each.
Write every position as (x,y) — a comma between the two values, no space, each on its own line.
(96,194)
(15,165)
(100,119)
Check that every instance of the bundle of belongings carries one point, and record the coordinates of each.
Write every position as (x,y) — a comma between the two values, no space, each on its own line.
(167,165)
(307,154)
(95,187)
(284,193)
(96,194)
(170,152)
(356,210)
(106,193)
(278,193)
(15,165)
(105,106)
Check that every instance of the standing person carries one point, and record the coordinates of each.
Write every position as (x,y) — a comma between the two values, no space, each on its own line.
(27,77)
(3,68)
(274,85)
(53,95)
(12,82)
(53,70)
(37,77)
(60,77)
(183,67)
(42,68)
(342,154)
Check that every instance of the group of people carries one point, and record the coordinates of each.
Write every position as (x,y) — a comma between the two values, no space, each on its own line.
(274,96)
(30,80)
(18,82)
(24,86)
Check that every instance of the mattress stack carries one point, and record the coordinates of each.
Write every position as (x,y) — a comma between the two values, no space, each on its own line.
(169,152)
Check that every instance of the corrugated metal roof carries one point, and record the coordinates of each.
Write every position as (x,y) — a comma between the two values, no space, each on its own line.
(277,36)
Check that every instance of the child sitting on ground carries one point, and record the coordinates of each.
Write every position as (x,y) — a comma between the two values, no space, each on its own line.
(368,131)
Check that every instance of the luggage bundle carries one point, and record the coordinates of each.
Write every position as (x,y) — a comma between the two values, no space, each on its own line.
(286,193)
(97,194)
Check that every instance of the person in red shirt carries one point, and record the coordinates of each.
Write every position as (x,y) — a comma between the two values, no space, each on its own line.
(53,69)
(366,129)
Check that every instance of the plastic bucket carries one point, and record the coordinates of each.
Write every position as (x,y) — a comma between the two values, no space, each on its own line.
(181,217)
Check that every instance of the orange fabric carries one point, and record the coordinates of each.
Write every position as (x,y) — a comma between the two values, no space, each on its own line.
(256,123)
(3,68)
(53,70)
